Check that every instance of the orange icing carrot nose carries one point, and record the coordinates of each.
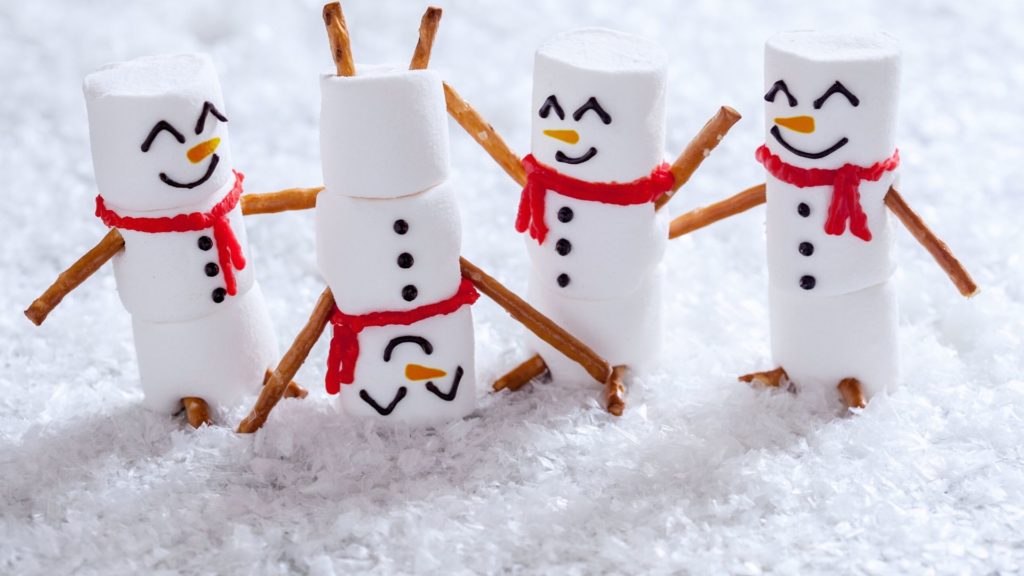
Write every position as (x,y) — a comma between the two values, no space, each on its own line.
(417,372)
(202,150)
(802,124)
(567,136)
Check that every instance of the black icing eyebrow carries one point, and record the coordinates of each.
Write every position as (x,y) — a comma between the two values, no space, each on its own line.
(549,103)
(592,104)
(208,108)
(780,85)
(836,88)
(159,127)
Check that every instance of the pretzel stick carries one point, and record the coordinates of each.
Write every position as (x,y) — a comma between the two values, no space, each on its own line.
(615,392)
(698,149)
(537,323)
(707,215)
(337,35)
(484,134)
(428,29)
(280,201)
(77,273)
(290,363)
(937,248)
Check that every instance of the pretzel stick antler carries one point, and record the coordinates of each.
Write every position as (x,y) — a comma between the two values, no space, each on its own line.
(428,30)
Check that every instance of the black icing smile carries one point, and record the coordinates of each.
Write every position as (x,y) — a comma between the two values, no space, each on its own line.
(812,155)
(452,392)
(562,157)
(209,172)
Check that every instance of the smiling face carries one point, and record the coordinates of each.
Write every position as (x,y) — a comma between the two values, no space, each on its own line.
(159,132)
(831,99)
(599,105)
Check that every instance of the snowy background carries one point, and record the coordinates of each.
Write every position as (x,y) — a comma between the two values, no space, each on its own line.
(702,474)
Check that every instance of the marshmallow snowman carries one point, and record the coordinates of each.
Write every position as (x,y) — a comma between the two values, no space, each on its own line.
(831,102)
(388,243)
(595,240)
(163,168)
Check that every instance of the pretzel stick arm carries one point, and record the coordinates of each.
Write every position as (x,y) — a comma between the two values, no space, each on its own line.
(698,149)
(936,247)
(77,273)
(281,201)
(707,215)
(484,134)
(293,359)
(537,323)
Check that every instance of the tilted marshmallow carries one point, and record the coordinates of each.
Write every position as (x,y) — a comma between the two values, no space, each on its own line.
(603,251)
(625,330)
(169,106)
(165,277)
(441,343)
(383,132)
(820,340)
(220,358)
(582,75)
(362,244)
(861,108)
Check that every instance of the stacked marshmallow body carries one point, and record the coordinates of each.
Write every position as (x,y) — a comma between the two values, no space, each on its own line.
(191,338)
(389,239)
(833,308)
(597,271)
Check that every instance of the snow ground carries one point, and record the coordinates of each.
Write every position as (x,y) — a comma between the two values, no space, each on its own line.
(702,474)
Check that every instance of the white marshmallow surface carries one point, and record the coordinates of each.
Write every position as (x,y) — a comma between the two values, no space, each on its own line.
(383,132)
(126,101)
(833,315)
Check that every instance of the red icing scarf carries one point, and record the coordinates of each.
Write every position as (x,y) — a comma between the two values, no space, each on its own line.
(344,350)
(229,251)
(845,182)
(541,178)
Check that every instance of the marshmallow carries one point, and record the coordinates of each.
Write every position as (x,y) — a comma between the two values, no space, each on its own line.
(383,132)
(622,128)
(444,343)
(169,106)
(220,357)
(820,340)
(363,244)
(625,331)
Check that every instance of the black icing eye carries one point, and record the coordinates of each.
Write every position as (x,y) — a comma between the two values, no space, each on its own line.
(551,103)
(592,104)
(208,109)
(161,126)
(836,88)
(780,86)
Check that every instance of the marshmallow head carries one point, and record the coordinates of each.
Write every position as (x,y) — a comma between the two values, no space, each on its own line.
(599,105)
(831,98)
(383,132)
(159,132)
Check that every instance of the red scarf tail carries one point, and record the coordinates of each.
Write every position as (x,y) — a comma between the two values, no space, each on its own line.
(845,206)
(341,358)
(229,253)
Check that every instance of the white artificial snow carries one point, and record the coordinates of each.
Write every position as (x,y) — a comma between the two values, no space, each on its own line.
(701,475)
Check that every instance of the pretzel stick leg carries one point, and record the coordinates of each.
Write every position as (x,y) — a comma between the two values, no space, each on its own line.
(197,411)
(484,134)
(707,215)
(698,149)
(428,29)
(281,201)
(520,375)
(337,35)
(77,273)
(537,323)
(615,391)
(278,382)
(936,247)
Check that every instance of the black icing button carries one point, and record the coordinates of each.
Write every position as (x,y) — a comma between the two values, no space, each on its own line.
(565,214)
(807,282)
(205,243)
(806,248)
(211,269)
(563,247)
(803,210)
(405,260)
(218,295)
(409,293)
(563,280)
(401,226)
